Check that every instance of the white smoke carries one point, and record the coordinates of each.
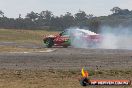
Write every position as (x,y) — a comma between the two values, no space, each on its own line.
(79,37)
(111,38)
(116,38)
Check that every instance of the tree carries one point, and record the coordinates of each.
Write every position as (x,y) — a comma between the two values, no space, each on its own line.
(94,24)
(67,20)
(1,13)
(32,16)
(81,18)
(115,10)
(90,16)
(56,23)
(45,16)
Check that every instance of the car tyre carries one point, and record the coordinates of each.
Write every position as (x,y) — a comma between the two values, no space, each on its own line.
(49,43)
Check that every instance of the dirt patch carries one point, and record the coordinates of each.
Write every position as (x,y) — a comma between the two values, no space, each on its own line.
(21,45)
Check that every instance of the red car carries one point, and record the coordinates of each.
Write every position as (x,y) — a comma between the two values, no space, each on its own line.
(69,37)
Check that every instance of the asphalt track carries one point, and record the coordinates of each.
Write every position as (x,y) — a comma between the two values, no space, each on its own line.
(68,58)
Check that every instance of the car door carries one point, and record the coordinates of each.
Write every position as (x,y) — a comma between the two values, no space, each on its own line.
(62,38)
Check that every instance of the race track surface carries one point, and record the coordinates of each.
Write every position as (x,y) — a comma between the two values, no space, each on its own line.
(68,58)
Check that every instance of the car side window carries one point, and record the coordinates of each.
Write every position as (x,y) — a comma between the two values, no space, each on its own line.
(64,34)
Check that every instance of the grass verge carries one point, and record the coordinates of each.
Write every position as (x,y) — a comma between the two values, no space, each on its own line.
(56,78)
(32,36)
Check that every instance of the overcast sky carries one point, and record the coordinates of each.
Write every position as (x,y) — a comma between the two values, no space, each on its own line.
(12,8)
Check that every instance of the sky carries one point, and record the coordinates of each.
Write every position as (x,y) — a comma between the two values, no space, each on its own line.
(12,8)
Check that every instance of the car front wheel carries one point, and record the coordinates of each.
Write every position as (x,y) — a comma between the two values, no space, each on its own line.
(49,43)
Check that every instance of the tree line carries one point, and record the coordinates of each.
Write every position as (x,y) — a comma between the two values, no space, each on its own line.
(46,20)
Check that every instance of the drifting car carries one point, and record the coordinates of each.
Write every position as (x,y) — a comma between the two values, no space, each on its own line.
(67,37)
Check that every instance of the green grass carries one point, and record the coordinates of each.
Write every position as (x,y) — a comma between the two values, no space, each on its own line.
(20,36)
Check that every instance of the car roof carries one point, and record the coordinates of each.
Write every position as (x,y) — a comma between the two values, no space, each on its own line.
(87,31)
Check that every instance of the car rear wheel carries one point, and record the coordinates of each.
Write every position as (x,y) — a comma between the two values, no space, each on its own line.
(49,43)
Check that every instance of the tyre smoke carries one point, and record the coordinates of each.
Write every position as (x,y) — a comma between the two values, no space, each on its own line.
(111,38)
(79,38)
(116,38)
